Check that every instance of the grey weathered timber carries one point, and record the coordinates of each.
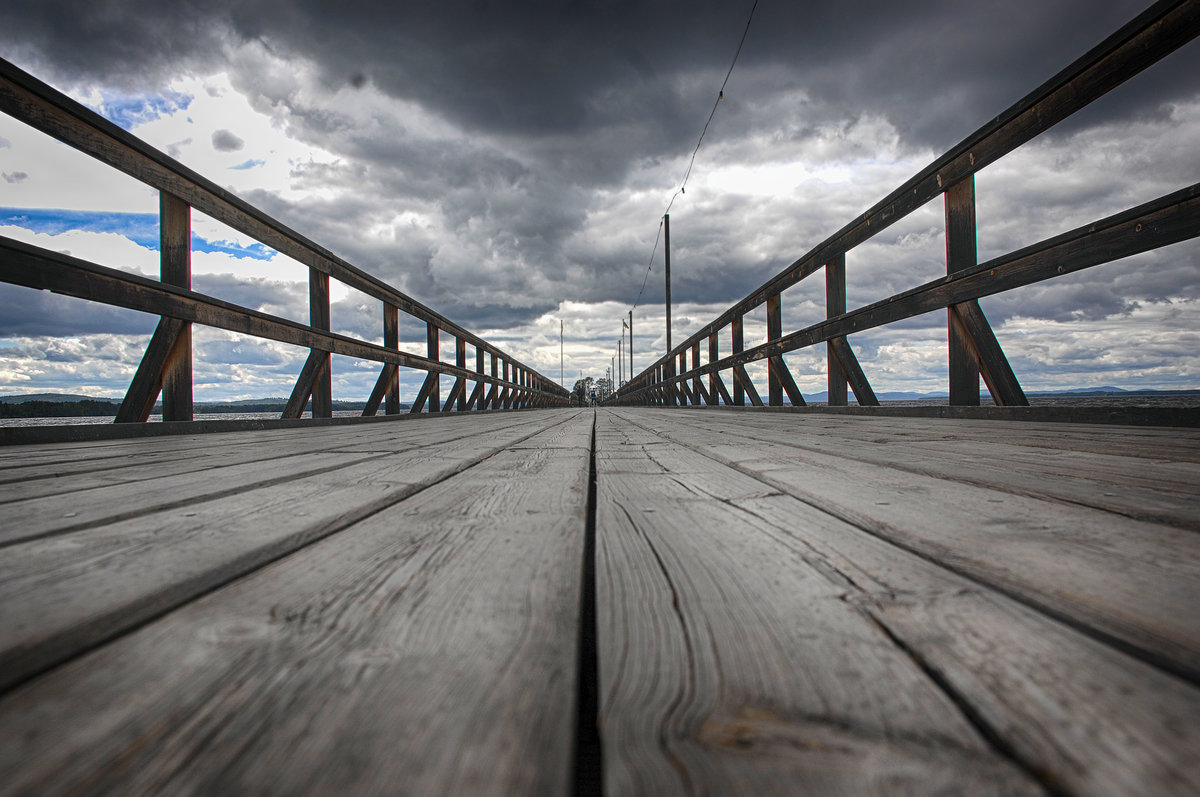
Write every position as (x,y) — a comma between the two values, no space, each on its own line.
(961,255)
(851,372)
(993,364)
(91,583)
(175,268)
(1123,580)
(167,345)
(731,665)
(430,648)
(835,304)
(704,704)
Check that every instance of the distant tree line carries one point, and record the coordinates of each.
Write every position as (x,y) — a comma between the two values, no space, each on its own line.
(59,409)
(101,408)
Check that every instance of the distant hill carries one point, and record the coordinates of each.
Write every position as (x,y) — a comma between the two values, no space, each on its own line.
(65,405)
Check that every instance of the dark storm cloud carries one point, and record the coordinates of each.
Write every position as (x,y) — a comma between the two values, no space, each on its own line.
(559,106)
(226,141)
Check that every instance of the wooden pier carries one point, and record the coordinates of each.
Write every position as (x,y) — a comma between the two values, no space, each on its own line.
(661,601)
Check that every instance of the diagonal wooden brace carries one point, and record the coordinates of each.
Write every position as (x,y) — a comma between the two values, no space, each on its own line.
(425,393)
(742,378)
(455,394)
(853,372)
(314,368)
(166,345)
(387,377)
(993,365)
(778,368)
(476,395)
(721,389)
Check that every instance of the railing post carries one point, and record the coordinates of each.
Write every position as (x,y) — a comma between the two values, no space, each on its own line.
(433,351)
(175,268)
(697,385)
(735,330)
(835,305)
(460,359)
(774,332)
(714,354)
(391,339)
(961,254)
(318,318)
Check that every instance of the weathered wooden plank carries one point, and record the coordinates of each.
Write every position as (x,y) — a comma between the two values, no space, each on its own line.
(1081,716)
(106,503)
(729,664)
(430,648)
(1149,483)
(91,585)
(1125,581)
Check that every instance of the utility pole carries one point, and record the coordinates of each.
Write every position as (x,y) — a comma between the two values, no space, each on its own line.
(561,379)
(620,358)
(667,269)
(631,343)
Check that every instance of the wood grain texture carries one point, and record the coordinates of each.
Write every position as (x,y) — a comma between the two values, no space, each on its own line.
(429,649)
(728,665)
(1128,581)
(62,594)
(1078,715)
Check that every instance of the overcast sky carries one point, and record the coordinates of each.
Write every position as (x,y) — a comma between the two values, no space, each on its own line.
(508,164)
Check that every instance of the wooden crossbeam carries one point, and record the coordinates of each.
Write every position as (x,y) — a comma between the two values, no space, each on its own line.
(997,374)
(387,377)
(426,394)
(782,375)
(854,373)
(316,364)
(165,347)
(742,378)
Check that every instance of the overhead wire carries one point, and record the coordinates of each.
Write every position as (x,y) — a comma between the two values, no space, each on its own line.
(692,162)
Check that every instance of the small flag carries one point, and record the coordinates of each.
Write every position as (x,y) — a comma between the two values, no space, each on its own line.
(624,325)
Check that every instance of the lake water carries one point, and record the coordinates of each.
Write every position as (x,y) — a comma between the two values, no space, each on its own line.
(1147,400)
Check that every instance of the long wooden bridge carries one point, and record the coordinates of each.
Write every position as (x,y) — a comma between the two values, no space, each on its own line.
(501,594)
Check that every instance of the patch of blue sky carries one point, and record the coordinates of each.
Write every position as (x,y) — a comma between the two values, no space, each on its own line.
(131,111)
(250,164)
(141,228)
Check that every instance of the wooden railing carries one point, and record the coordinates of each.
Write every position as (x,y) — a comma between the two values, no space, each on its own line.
(973,348)
(500,380)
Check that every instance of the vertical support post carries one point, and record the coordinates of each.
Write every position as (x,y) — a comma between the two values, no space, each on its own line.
(433,352)
(620,360)
(735,329)
(318,318)
(774,332)
(175,268)
(697,390)
(460,359)
(714,354)
(391,340)
(835,305)
(961,254)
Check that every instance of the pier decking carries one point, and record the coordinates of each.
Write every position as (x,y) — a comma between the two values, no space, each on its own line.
(740,602)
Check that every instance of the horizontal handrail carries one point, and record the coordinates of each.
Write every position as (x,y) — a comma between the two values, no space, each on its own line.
(1145,40)
(46,109)
(1161,222)
(34,267)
